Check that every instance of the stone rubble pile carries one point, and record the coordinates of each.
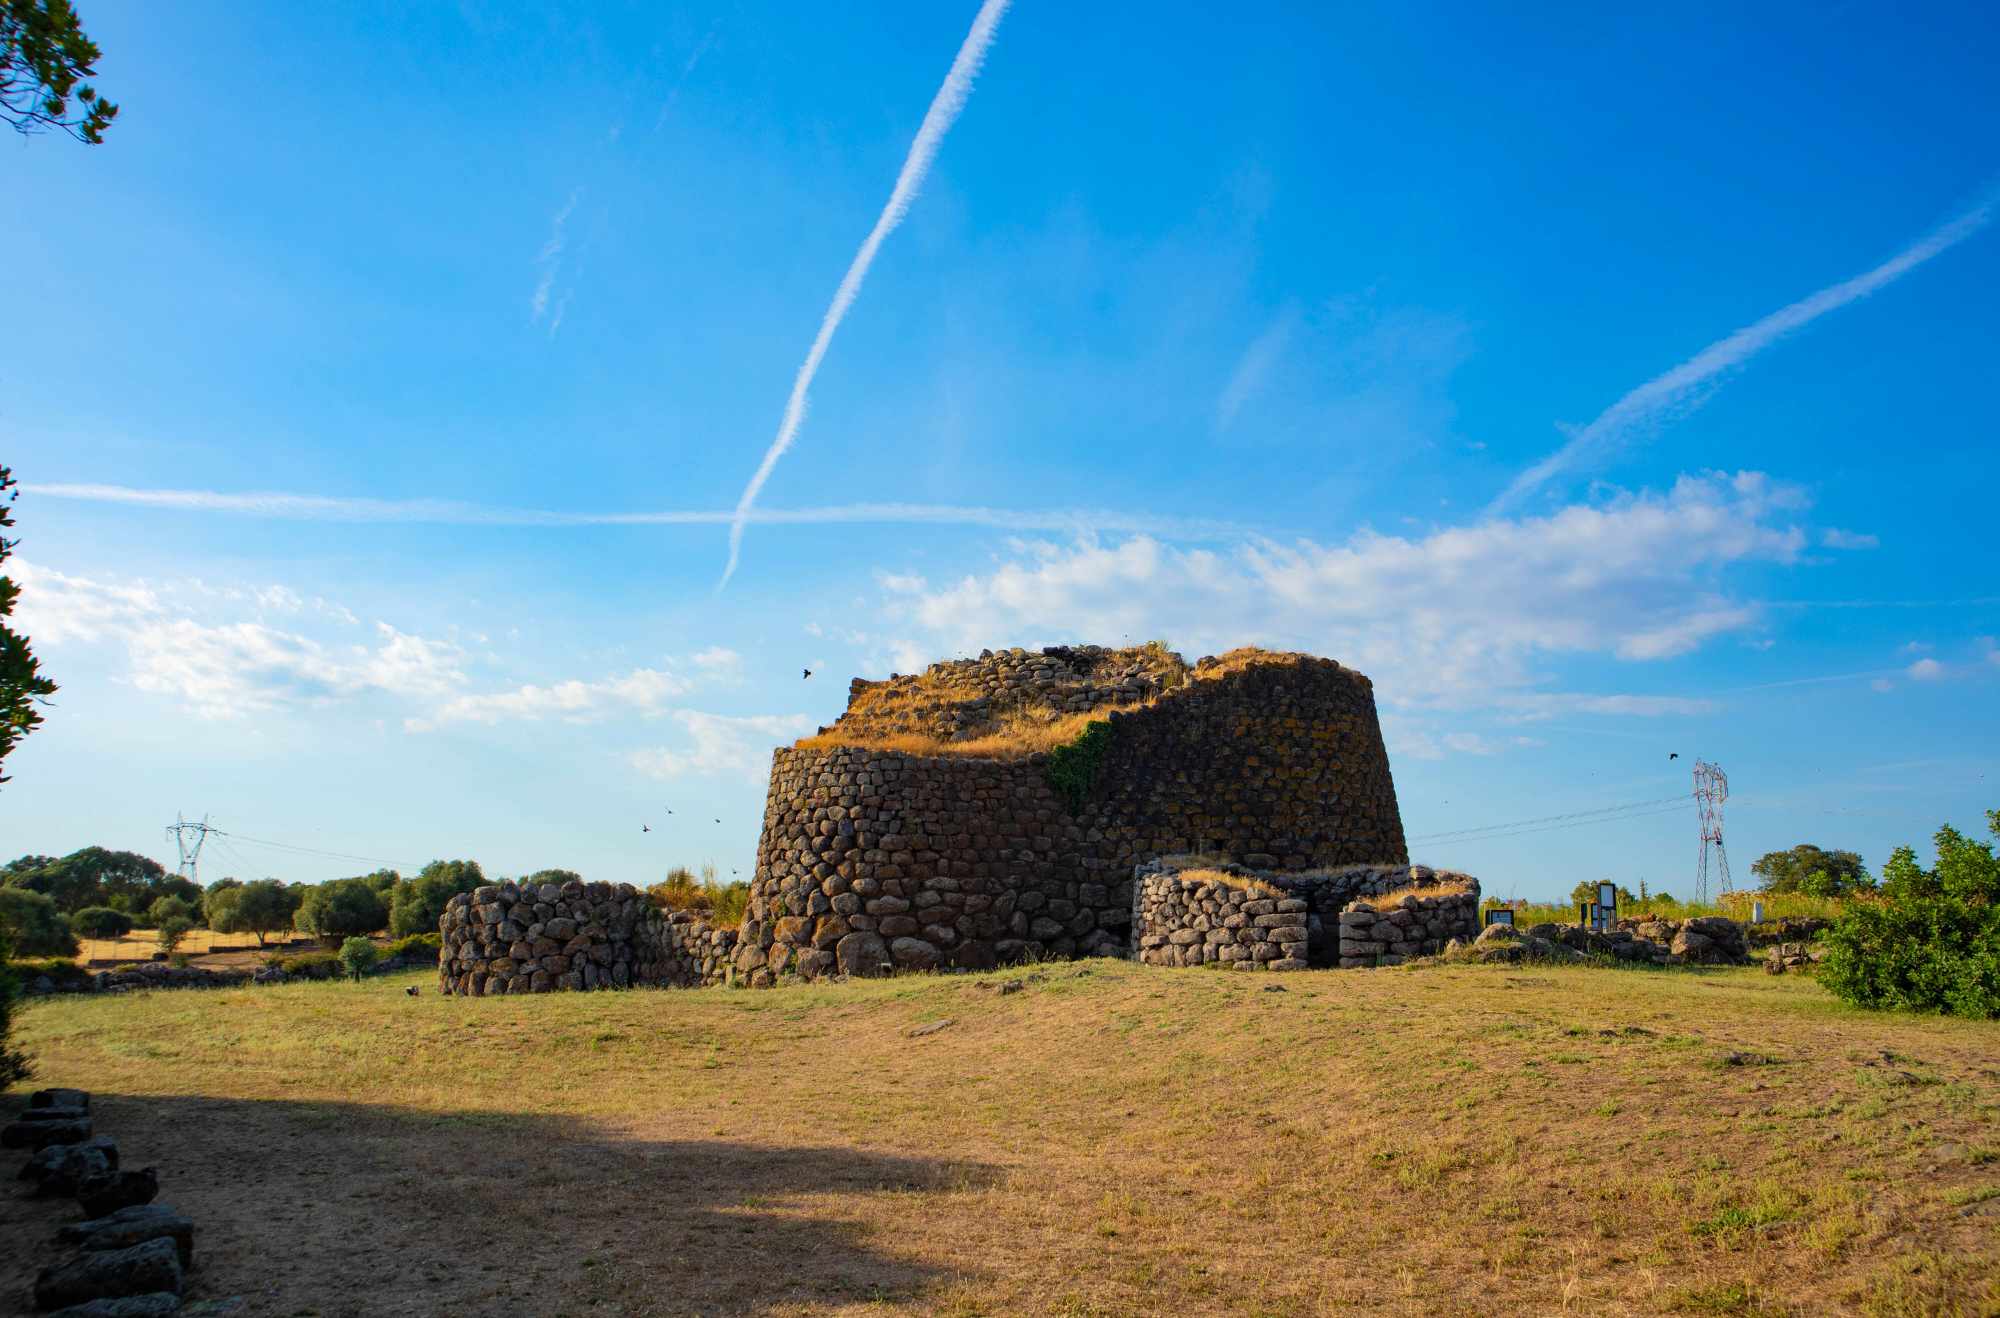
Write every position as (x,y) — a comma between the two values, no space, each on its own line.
(1782,957)
(130,1257)
(1245,924)
(1711,940)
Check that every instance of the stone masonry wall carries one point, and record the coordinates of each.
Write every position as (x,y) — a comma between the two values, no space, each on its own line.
(1373,934)
(1322,894)
(509,938)
(1194,921)
(879,859)
(873,858)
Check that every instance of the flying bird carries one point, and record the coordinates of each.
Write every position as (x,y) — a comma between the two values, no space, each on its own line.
(718,821)
(808,674)
(1673,755)
(645,828)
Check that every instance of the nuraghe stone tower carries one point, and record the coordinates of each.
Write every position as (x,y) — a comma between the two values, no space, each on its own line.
(994,808)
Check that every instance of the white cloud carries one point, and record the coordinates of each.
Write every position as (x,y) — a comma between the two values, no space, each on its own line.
(549,263)
(1882,684)
(1835,538)
(721,744)
(1456,617)
(950,99)
(1470,743)
(56,607)
(643,691)
(1683,388)
(233,669)
(1925,670)
(450,512)
(227,669)
(717,659)
(1253,371)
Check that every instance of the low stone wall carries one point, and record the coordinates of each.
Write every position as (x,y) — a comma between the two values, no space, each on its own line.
(1241,923)
(1410,926)
(508,938)
(1325,892)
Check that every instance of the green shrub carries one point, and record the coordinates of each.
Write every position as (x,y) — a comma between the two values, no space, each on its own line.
(66,973)
(1932,941)
(34,924)
(306,965)
(418,947)
(100,922)
(357,957)
(1073,768)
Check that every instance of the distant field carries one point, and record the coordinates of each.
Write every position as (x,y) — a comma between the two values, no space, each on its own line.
(1112,1139)
(201,946)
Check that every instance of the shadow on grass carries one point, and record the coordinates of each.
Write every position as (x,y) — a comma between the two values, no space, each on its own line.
(352,1209)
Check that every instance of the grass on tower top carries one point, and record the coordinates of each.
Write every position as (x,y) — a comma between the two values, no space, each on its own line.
(879,714)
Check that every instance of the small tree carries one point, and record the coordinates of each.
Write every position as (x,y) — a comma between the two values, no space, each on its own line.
(167,909)
(264,907)
(1811,870)
(172,931)
(34,924)
(14,1064)
(100,922)
(419,903)
(341,908)
(22,687)
(357,956)
(44,57)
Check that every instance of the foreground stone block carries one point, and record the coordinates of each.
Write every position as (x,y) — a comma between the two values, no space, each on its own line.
(133,1226)
(144,1269)
(60,1169)
(60,1098)
(157,1305)
(102,1195)
(41,1134)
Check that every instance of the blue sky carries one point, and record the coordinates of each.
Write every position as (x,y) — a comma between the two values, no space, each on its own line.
(1604,385)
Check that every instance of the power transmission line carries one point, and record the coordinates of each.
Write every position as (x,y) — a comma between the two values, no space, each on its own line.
(315,851)
(1583,816)
(1575,823)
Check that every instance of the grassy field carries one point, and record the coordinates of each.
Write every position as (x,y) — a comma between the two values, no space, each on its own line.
(1110,1139)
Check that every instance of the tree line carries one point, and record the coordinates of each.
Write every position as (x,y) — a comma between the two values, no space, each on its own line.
(48,902)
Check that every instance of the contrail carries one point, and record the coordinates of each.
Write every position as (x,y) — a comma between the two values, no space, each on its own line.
(950,99)
(1657,399)
(326,508)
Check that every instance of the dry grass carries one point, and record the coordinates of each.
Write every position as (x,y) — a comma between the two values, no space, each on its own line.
(1387,899)
(875,714)
(1241,658)
(1257,886)
(203,947)
(1113,1139)
(1019,734)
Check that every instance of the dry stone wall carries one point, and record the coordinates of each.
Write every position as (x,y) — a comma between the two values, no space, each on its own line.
(513,938)
(1193,921)
(1390,933)
(876,858)
(1170,896)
